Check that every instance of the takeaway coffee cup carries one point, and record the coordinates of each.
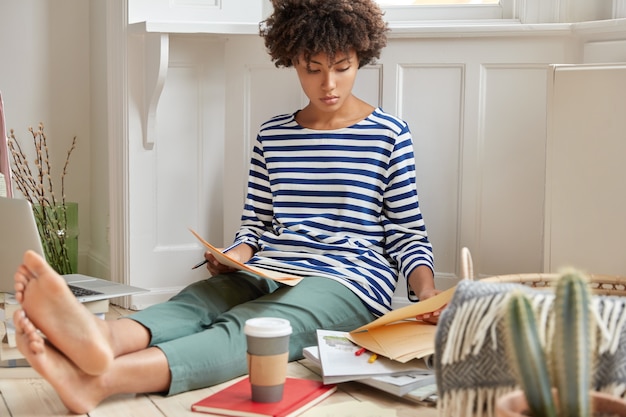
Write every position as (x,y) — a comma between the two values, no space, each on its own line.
(268,354)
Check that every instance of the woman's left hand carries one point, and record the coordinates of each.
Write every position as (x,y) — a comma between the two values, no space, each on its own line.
(432,317)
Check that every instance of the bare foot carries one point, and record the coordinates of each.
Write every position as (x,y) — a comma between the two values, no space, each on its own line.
(76,389)
(66,323)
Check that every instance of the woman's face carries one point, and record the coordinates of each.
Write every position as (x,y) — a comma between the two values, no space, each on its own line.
(328,83)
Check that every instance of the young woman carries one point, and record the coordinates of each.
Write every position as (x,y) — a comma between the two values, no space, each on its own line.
(331,197)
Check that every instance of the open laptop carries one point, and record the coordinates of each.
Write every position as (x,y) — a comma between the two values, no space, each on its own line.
(18,233)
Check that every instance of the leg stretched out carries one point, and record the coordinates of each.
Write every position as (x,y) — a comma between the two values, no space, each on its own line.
(192,341)
(79,391)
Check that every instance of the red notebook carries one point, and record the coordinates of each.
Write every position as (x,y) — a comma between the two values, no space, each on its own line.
(235,400)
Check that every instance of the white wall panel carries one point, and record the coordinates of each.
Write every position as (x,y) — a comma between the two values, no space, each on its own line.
(368,85)
(512,174)
(605,51)
(175,203)
(430,100)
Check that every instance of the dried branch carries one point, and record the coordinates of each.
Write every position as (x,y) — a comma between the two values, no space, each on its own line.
(37,186)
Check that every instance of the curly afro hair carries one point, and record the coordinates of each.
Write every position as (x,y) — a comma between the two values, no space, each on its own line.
(310,27)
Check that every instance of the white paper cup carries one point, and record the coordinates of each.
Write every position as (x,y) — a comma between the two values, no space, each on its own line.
(268,354)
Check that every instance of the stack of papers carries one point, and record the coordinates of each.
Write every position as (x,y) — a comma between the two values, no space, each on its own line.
(339,361)
(422,382)
(404,385)
(393,353)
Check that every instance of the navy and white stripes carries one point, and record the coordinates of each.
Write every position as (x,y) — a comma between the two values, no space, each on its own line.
(337,203)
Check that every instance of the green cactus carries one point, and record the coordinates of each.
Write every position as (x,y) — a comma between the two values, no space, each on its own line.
(530,360)
(569,368)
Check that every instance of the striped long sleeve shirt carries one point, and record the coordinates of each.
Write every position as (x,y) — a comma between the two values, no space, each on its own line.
(338,203)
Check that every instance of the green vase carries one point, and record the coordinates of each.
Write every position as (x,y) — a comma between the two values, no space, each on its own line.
(58,229)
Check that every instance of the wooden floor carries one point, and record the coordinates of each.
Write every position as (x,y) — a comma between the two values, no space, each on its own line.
(34,397)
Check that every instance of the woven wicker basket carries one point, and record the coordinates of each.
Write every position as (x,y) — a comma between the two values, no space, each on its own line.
(600,284)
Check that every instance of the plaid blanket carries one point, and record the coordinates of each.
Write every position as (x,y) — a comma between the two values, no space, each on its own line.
(471,364)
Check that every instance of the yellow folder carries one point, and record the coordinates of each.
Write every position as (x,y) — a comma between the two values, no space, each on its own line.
(397,335)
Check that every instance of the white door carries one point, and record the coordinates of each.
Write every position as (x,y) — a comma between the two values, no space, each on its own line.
(176,179)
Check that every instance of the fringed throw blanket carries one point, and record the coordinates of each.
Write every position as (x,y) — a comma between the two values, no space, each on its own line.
(470,358)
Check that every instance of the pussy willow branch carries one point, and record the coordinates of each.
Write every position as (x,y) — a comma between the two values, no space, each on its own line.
(67,161)
(22,173)
(37,187)
(44,160)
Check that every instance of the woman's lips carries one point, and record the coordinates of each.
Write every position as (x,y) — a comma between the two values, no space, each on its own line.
(330,100)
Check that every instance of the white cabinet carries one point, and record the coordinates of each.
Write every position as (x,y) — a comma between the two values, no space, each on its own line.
(586,159)
(187,12)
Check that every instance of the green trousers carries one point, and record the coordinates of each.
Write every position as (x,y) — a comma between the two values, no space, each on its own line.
(200,330)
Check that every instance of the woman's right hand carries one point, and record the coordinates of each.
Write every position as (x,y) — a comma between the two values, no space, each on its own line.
(240,253)
(214,267)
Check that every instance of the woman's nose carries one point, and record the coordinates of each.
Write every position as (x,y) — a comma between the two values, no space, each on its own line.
(329,82)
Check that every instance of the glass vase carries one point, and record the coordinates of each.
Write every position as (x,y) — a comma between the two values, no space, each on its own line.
(58,229)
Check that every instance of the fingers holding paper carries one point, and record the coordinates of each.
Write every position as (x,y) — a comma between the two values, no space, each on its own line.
(431,317)
(215,267)
(239,254)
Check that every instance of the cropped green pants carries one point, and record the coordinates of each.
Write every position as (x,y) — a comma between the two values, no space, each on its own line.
(200,330)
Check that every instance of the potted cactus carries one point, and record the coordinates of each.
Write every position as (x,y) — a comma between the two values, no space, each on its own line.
(555,382)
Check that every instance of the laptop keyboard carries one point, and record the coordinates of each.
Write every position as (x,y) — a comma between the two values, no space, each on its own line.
(81,292)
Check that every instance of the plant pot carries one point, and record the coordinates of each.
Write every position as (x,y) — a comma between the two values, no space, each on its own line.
(514,404)
(58,229)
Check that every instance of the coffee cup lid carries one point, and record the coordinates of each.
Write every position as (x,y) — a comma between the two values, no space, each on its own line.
(267,327)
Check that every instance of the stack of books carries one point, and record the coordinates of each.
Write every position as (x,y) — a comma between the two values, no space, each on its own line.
(12,362)
(3,186)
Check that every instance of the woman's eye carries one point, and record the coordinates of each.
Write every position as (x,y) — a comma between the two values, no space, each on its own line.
(343,69)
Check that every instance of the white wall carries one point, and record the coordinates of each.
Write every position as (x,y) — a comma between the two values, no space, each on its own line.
(45,77)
